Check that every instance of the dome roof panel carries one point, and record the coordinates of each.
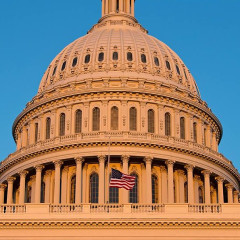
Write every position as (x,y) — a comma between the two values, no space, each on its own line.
(149,56)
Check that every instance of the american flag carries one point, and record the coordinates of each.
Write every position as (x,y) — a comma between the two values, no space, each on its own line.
(121,180)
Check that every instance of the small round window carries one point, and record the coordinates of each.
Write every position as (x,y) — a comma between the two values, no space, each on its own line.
(101,57)
(178,70)
(143,58)
(54,71)
(74,62)
(129,56)
(63,66)
(87,58)
(156,61)
(115,56)
(168,65)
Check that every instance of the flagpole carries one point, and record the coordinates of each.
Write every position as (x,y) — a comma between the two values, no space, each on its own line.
(109,144)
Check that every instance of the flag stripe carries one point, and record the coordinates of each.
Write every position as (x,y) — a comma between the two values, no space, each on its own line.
(121,180)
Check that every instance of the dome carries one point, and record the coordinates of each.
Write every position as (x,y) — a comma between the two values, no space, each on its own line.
(118,48)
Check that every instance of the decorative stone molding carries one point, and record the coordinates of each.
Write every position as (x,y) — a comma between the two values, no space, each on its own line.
(39,168)
(102,158)
(11,179)
(3,186)
(125,158)
(148,160)
(79,160)
(58,163)
(229,186)
(189,167)
(23,173)
(219,179)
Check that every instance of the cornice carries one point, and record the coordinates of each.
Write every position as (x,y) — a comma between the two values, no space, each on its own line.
(119,224)
(8,164)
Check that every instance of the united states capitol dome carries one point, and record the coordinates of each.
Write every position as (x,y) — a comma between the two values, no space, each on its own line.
(119,99)
(118,46)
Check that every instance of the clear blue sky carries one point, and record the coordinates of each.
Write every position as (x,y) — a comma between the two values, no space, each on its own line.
(204,33)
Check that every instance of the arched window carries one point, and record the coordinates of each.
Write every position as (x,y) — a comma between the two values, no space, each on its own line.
(62,124)
(133,119)
(113,194)
(167,124)
(73,189)
(143,58)
(36,132)
(178,70)
(96,119)
(78,121)
(43,192)
(182,128)
(63,66)
(129,56)
(114,118)
(101,57)
(156,61)
(48,128)
(168,65)
(115,56)
(205,136)
(151,121)
(195,132)
(133,194)
(88,58)
(74,62)
(54,71)
(94,188)
(154,189)
(200,194)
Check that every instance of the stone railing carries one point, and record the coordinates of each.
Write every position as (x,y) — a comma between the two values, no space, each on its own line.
(12,208)
(121,210)
(119,136)
(203,208)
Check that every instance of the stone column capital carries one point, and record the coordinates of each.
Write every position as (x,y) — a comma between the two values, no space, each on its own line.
(169,162)
(219,179)
(163,169)
(125,158)
(236,193)
(48,173)
(189,167)
(33,178)
(197,178)
(3,186)
(39,168)
(23,173)
(101,158)
(58,163)
(11,179)
(229,186)
(180,172)
(148,159)
(206,172)
(79,160)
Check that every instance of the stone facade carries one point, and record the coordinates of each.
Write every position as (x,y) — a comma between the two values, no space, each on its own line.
(118,98)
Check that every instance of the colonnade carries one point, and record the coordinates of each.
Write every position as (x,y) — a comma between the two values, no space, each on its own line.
(174,184)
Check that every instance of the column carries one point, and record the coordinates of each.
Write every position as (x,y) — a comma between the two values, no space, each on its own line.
(78,195)
(206,174)
(230,192)
(128,7)
(197,180)
(176,130)
(64,186)
(190,183)
(170,164)
(22,186)
(143,117)
(163,189)
(220,189)
(235,196)
(101,160)
(10,181)
(39,169)
(68,121)
(148,161)
(132,7)
(2,190)
(176,193)
(182,180)
(125,160)
(58,165)
(103,8)
(47,180)
(121,5)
